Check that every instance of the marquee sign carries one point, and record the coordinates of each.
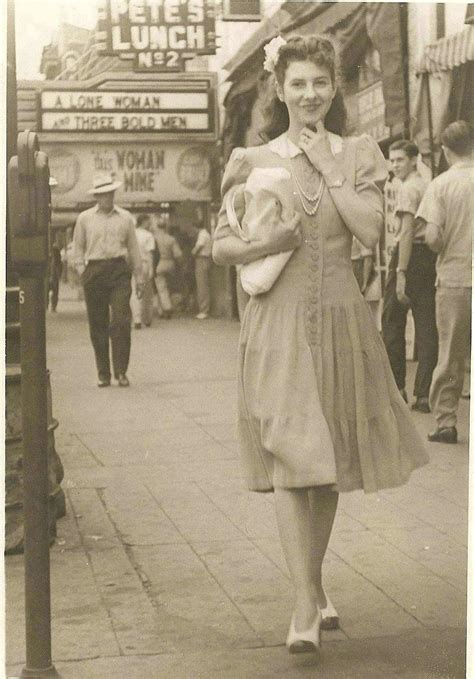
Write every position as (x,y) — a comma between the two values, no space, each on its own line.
(125,111)
(158,172)
(158,34)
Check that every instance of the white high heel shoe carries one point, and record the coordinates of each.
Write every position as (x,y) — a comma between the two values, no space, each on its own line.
(304,642)
(329,615)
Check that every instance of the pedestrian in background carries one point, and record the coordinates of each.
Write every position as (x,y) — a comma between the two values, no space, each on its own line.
(447,209)
(170,258)
(55,263)
(72,276)
(104,244)
(55,271)
(202,252)
(411,281)
(319,411)
(142,307)
(186,280)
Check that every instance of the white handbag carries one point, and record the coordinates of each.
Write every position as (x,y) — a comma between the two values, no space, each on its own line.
(268,201)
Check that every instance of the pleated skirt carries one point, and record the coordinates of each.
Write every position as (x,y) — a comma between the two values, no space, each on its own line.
(320,409)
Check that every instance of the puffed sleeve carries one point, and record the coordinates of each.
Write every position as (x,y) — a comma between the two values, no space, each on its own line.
(371,172)
(236,172)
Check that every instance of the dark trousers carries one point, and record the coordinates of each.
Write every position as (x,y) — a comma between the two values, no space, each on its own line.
(107,290)
(420,288)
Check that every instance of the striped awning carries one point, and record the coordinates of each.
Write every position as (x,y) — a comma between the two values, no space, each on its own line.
(447,53)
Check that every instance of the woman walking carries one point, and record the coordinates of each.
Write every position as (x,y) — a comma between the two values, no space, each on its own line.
(319,411)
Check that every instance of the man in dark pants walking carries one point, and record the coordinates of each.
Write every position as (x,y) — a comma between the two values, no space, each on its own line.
(410,282)
(104,244)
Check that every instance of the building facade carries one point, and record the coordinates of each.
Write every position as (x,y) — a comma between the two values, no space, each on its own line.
(156,133)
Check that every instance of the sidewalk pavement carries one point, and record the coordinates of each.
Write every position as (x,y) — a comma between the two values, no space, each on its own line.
(166,567)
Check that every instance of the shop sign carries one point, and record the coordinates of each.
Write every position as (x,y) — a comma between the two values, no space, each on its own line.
(148,172)
(158,34)
(104,111)
(371,112)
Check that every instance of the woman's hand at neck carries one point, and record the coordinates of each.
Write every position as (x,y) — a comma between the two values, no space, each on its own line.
(295,128)
(316,146)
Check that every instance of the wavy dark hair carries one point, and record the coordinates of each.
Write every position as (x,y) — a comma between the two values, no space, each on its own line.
(321,52)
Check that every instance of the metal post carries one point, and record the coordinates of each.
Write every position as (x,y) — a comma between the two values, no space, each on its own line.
(403,15)
(11,103)
(35,423)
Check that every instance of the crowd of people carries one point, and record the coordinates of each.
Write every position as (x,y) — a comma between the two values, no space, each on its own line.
(177,285)
(430,273)
(124,266)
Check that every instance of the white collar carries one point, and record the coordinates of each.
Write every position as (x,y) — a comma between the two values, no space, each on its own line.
(285,148)
(115,208)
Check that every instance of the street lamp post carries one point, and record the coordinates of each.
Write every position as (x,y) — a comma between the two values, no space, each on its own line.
(27,426)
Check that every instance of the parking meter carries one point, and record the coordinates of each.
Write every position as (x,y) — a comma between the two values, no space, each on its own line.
(29,207)
(28,219)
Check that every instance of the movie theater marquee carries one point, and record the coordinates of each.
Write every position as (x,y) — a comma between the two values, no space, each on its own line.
(119,111)
(158,34)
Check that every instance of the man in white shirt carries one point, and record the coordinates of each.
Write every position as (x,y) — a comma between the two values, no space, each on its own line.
(104,244)
(201,252)
(447,209)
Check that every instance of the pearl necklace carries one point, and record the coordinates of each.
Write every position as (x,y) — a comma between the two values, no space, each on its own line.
(316,198)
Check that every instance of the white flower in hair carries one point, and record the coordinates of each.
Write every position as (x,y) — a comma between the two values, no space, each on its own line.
(271,53)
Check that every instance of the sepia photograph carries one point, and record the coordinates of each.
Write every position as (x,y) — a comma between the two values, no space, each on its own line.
(237,310)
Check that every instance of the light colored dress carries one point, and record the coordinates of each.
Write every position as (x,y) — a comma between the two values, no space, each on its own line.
(318,404)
